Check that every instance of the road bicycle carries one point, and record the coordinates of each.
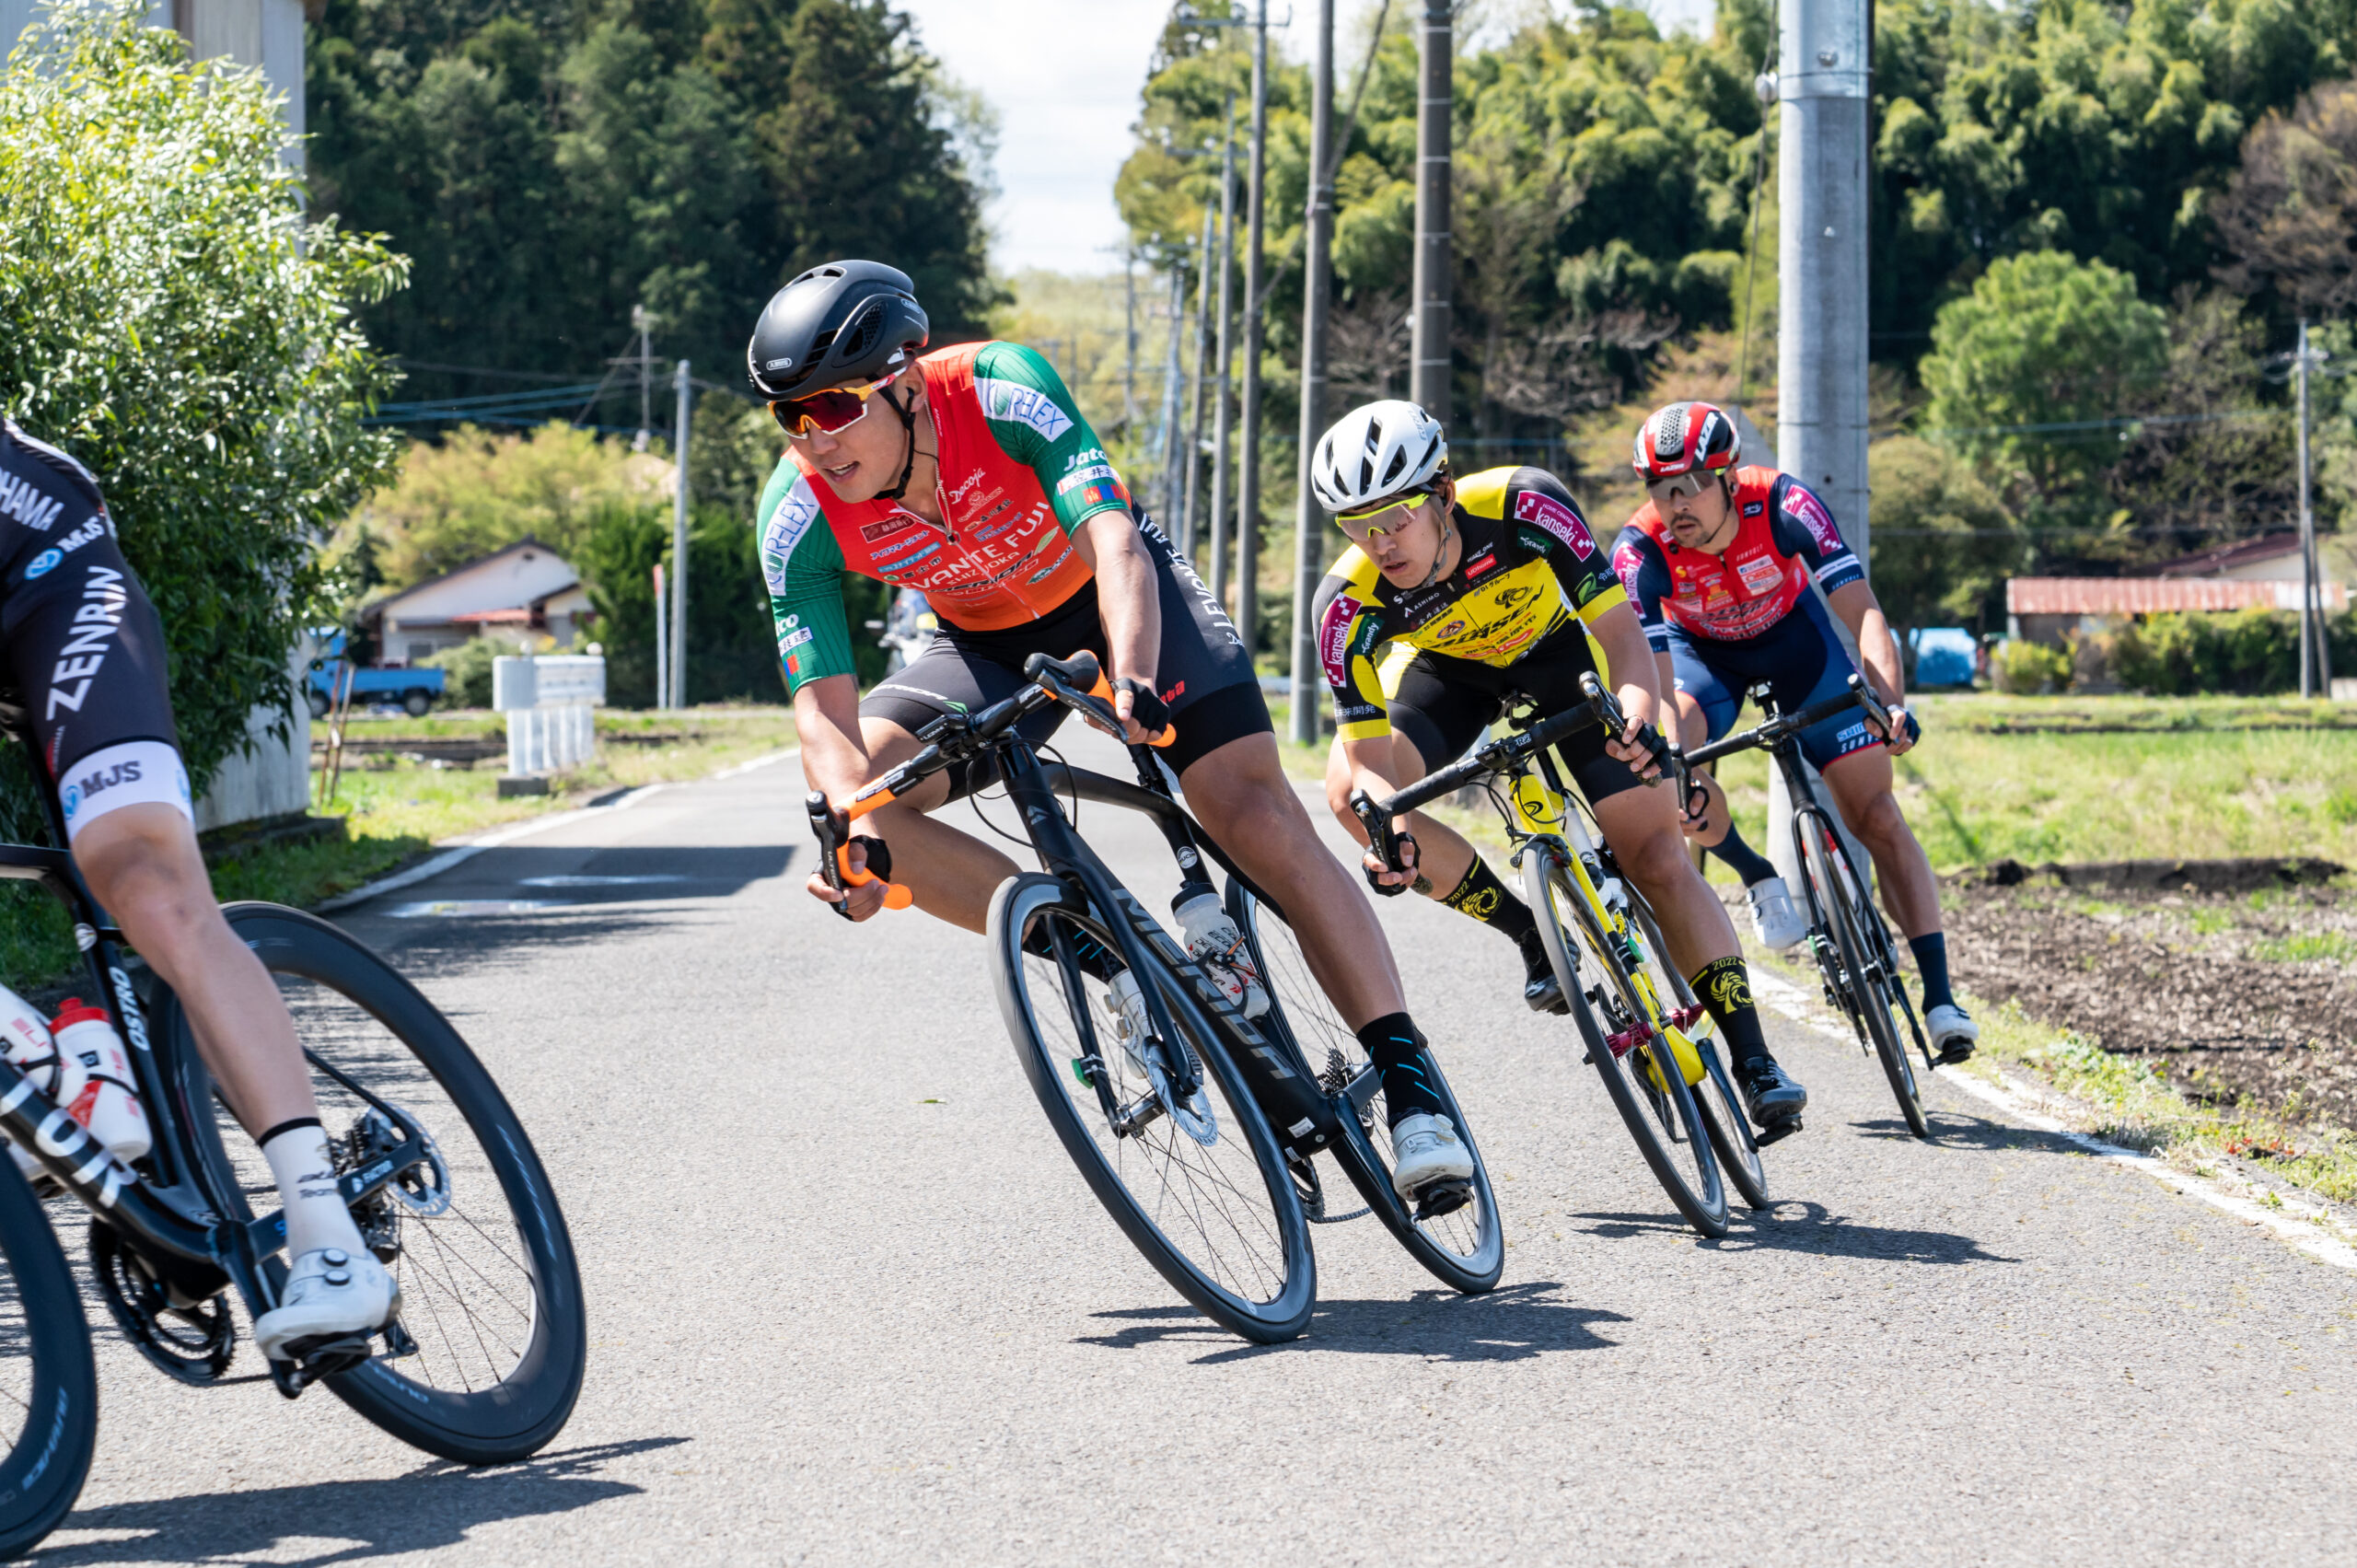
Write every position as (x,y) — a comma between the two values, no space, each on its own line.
(1639,1022)
(1855,958)
(486,1359)
(1202,1139)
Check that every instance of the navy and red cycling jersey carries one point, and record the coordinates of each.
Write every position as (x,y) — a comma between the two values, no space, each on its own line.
(1783,534)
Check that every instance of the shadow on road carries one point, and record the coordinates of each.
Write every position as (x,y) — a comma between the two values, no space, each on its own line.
(347,1521)
(1796,1227)
(1516,1323)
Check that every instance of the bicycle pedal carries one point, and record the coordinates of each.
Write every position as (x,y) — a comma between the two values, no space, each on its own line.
(1780,1131)
(1442,1198)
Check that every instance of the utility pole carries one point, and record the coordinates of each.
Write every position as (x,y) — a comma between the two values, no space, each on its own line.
(1168,511)
(679,550)
(1428,372)
(1130,340)
(640,322)
(1195,397)
(1310,520)
(1226,313)
(1821,87)
(2316,653)
(1247,483)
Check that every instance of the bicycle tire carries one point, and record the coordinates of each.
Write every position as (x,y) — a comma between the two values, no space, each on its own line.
(1715,1097)
(1869,979)
(1275,1263)
(48,1457)
(1465,1249)
(355,1010)
(1574,952)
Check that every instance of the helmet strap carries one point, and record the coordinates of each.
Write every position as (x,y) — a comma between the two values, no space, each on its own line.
(909,429)
(1447,531)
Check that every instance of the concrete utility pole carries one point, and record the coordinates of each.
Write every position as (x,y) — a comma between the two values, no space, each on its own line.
(1195,395)
(1309,520)
(2316,654)
(1248,481)
(639,324)
(1167,479)
(1130,340)
(1428,369)
(1822,86)
(1227,314)
(679,551)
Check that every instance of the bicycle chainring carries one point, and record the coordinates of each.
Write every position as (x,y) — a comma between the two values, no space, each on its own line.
(193,1343)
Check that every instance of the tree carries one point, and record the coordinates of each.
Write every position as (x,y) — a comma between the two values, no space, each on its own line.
(2289,215)
(169,317)
(1944,542)
(2027,373)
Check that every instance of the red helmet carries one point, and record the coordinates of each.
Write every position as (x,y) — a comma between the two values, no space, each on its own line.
(1680,437)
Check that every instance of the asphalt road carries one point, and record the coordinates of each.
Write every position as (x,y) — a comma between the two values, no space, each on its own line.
(849,1303)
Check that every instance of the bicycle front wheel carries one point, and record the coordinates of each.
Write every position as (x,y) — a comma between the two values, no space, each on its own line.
(490,1296)
(48,1382)
(1464,1247)
(1622,1035)
(1715,1096)
(1870,977)
(1201,1190)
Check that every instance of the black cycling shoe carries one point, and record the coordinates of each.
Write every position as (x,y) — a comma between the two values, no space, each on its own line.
(1772,1097)
(1542,992)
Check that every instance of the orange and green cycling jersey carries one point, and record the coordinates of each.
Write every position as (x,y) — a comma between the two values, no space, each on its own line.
(1019,470)
(1529,569)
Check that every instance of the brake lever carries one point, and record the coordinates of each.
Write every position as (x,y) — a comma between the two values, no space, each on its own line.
(1607,712)
(832,829)
(1382,840)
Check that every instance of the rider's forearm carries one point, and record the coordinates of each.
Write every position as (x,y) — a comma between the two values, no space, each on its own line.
(826,720)
(1879,647)
(1631,660)
(1125,597)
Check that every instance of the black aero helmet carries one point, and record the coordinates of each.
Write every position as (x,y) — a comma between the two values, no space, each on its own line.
(845,322)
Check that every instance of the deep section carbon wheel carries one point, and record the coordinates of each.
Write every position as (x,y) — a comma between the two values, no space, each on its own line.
(49,1386)
(1715,1096)
(1872,981)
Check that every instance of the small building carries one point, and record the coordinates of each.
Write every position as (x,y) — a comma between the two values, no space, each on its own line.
(524,588)
(2257,574)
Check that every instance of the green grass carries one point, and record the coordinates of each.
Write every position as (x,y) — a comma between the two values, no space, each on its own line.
(2332,946)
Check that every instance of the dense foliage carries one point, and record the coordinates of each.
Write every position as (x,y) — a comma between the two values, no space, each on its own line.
(167,317)
(548,164)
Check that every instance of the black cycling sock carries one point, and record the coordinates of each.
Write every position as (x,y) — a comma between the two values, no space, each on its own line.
(1093,956)
(1724,986)
(1397,1049)
(1931,962)
(1491,901)
(1742,859)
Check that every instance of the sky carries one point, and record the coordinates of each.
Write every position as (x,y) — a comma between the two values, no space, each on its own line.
(1064,76)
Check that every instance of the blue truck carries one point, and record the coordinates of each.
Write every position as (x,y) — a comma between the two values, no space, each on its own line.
(415,690)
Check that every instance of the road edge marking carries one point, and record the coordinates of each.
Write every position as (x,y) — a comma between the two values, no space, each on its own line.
(458,854)
(2291,1224)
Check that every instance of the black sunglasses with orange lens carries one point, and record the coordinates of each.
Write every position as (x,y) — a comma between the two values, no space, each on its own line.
(838,408)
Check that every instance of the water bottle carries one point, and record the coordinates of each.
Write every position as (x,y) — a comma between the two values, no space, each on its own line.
(1214,942)
(27,1043)
(94,1080)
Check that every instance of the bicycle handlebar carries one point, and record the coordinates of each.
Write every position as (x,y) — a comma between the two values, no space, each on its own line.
(1782,724)
(1598,709)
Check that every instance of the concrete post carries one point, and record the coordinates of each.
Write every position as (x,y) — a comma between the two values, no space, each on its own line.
(1428,372)
(679,552)
(1195,397)
(1248,479)
(1219,380)
(1310,520)
(1821,89)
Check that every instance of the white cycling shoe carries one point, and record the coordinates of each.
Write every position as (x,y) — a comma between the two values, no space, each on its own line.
(1773,919)
(1425,1149)
(331,1294)
(1952,1033)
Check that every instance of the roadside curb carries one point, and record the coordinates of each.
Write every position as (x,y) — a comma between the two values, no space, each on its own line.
(2295,1223)
(454,853)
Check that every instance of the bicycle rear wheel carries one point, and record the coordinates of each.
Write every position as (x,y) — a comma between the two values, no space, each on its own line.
(1871,979)
(1206,1198)
(491,1294)
(48,1382)
(1464,1248)
(1642,1075)
(1715,1096)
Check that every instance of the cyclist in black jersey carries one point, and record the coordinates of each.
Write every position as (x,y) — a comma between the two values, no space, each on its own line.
(86,675)
(1486,587)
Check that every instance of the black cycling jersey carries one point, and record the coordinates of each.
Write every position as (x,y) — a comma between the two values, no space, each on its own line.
(84,666)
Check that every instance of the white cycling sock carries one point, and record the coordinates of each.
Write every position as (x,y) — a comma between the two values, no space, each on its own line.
(315,1216)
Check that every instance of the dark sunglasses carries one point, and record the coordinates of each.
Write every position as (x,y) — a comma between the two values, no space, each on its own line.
(838,408)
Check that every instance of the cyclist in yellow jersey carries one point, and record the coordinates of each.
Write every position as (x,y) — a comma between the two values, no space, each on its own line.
(1485,588)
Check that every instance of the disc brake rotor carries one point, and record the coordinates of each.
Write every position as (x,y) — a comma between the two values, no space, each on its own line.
(423,1186)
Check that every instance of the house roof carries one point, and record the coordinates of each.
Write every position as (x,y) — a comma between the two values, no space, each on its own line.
(2154,596)
(2224,559)
(530,541)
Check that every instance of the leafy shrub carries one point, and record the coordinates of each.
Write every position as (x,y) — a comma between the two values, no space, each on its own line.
(169,317)
(2250,652)
(731,649)
(2024,667)
(466,668)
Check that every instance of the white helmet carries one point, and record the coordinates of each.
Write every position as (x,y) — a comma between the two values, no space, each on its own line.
(1373,453)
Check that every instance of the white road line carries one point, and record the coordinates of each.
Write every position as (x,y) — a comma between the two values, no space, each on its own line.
(2290,1222)
(459,853)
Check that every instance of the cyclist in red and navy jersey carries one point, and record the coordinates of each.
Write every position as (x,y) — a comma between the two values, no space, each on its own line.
(1719,562)
(971,474)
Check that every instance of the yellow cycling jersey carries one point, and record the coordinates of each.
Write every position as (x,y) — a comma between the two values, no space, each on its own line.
(1529,569)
